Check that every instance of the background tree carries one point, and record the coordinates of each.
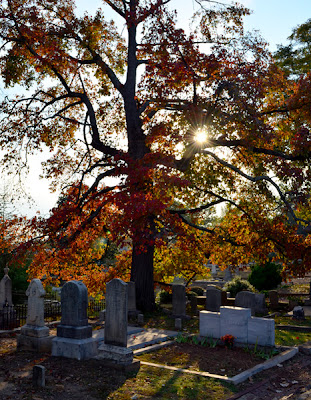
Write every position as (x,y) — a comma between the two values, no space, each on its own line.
(137,110)
(295,58)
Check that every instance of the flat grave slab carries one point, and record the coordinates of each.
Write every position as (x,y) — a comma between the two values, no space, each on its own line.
(139,337)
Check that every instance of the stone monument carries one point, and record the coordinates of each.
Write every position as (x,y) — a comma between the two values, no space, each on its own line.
(213,298)
(74,334)
(131,293)
(114,349)
(179,301)
(246,299)
(6,290)
(35,335)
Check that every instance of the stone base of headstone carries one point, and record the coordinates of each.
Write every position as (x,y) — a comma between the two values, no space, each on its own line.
(140,319)
(125,368)
(74,332)
(178,324)
(115,354)
(132,313)
(79,349)
(183,317)
(35,339)
(102,316)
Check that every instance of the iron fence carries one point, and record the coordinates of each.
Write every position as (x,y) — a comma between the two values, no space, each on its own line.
(15,316)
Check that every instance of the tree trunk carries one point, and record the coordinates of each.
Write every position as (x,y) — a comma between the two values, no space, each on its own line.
(142,275)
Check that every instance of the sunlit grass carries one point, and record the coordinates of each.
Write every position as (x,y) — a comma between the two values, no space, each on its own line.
(291,338)
(157,383)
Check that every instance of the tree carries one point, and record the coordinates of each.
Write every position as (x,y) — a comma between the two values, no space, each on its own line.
(295,58)
(131,109)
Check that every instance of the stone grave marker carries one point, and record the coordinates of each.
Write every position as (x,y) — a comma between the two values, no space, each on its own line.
(114,348)
(228,275)
(34,335)
(179,300)
(74,334)
(6,290)
(38,376)
(238,322)
(260,303)
(131,292)
(246,299)
(116,313)
(298,313)
(274,298)
(213,298)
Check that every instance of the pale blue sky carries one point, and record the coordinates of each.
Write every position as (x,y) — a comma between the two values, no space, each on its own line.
(275,19)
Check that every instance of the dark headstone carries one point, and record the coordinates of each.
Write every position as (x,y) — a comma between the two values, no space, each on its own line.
(179,300)
(298,313)
(74,335)
(74,303)
(245,299)
(213,299)
(274,298)
(116,313)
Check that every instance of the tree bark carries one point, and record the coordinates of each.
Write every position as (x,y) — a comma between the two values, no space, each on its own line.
(142,275)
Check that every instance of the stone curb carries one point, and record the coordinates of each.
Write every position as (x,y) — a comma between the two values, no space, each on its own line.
(286,355)
(187,371)
(153,347)
(293,328)
(237,379)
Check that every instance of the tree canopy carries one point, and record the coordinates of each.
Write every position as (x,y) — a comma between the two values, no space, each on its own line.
(124,110)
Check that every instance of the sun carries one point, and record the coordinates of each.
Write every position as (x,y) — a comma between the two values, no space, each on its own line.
(201,136)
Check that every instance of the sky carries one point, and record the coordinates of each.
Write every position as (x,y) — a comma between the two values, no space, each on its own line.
(274,19)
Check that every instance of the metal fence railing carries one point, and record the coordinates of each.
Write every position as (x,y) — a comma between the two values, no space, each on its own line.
(15,316)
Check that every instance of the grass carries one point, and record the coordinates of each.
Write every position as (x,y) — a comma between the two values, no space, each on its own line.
(151,382)
(281,320)
(291,338)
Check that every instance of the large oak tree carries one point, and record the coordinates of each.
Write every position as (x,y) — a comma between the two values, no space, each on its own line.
(132,101)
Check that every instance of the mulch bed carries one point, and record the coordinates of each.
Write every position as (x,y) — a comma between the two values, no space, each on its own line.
(215,360)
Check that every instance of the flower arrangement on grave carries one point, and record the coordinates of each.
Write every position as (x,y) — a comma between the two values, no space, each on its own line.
(228,340)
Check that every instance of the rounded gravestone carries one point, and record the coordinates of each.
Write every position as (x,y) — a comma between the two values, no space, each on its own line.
(74,303)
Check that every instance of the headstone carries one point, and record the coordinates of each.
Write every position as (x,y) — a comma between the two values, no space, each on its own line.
(178,324)
(131,292)
(74,334)
(38,376)
(246,299)
(274,298)
(234,321)
(210,324)
(114,348)
(179,300)
(194,304)
(237,322)
(213,298)
(260,303)
(35,335)
(298,313)
(228,275)
(261,331)
(116,313)
(6,290)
